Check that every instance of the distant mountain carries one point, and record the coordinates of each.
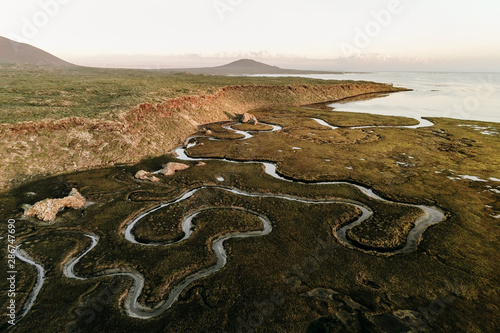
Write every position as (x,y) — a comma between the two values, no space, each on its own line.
(248,66)
(244,67)
(12,52)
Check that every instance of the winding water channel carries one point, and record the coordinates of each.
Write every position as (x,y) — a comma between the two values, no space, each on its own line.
(133,308)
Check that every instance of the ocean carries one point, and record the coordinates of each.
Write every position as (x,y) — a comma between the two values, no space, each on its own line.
(467,96)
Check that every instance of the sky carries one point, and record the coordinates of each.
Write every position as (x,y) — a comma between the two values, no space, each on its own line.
(436,35)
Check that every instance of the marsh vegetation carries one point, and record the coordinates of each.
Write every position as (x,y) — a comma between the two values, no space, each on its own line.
(339,288)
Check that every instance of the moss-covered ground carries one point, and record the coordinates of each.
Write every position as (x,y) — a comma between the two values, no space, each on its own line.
(298,278)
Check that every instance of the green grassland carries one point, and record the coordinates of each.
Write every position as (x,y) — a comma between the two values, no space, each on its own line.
(34,93)
(63,120)
(298,278)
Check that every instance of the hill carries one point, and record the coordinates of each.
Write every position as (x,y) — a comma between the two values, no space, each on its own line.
(245,67)
(12,52)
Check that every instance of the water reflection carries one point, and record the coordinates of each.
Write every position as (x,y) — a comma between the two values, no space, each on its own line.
(468,96)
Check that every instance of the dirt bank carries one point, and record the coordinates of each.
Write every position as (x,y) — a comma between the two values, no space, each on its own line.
(36,149)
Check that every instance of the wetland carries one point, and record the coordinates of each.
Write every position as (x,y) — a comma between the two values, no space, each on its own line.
(313,220)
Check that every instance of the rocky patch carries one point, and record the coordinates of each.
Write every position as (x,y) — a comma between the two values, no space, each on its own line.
(171,168)
(248,118)
(145,175)
(46,210)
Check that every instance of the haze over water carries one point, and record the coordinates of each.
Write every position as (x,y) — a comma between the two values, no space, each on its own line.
(468,96)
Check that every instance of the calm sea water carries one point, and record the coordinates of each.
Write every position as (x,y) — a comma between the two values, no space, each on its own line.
(469,96)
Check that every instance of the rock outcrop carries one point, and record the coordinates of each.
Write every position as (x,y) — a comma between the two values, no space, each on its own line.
(145,175)
(46,210)
(172,167)
(248,118)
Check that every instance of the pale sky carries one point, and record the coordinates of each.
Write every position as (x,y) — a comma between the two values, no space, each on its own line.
(323,34)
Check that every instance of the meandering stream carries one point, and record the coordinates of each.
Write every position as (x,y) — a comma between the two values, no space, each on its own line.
(432,215)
